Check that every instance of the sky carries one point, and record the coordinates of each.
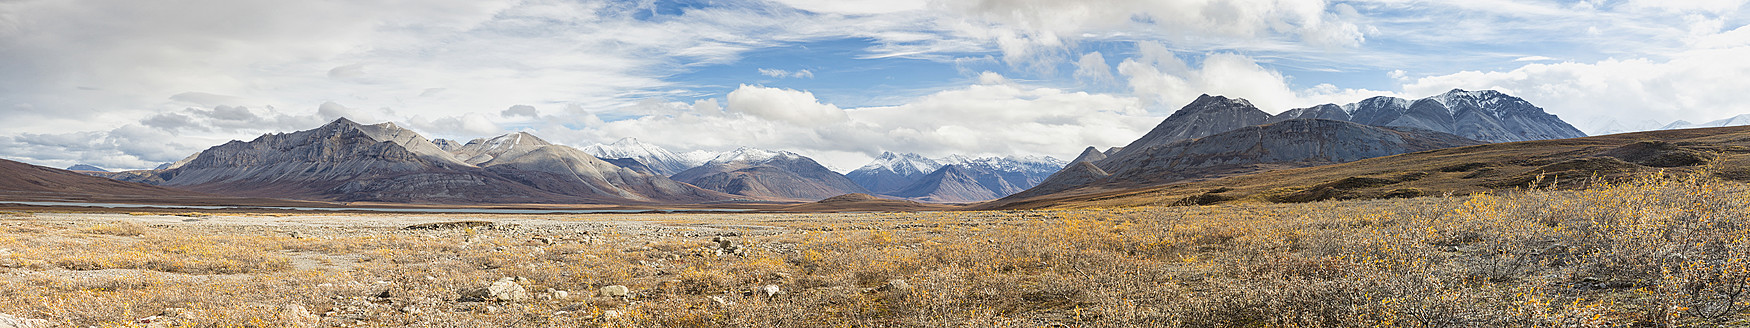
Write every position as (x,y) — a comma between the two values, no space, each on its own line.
(126,84)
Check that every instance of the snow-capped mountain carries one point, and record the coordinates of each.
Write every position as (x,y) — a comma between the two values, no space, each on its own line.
(654,157)
(1605,126)
(87,167)
(890,172)
(769,174)
(480,151)
(1729,121)
(1485,115)
(347,161)
(955,178)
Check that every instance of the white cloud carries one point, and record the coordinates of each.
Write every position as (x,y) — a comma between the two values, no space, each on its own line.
(1092,68)
(1696,85)
(1163,80)
(1028,31)
(1001,118)
(783,105)
(520,111)
(778,73)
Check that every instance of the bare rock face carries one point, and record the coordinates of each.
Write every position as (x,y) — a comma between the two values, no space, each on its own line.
(570,171)
(893,171)
(1206,116)
(346,161)
(1090,155)
(1486,115)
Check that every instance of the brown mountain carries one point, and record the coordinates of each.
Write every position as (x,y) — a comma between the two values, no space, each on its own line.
(347,161)
(1208,115)
(1286,144)
(1562,163)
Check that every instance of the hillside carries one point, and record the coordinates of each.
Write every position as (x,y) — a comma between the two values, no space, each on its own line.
(1286,144)
(1562,163)
(25,182)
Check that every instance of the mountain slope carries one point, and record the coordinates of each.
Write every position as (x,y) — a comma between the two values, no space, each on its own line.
(965,180)
(570,171)
(1090,155)
(479,151)
(891,172)
(951,184)
(1562,163)
(1291,143)
(659,160)
(769,174)
(1486,115)
(346,161)
(25,182)
(1205,116)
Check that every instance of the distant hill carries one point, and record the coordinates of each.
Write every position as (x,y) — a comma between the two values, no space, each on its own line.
(25,182)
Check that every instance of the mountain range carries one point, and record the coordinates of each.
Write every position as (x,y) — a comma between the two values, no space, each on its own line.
(1212,137)
(769,174)
(346,161)
(1486,115)
(952,179)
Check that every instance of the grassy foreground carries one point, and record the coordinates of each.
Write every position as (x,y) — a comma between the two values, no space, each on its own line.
(1657,251)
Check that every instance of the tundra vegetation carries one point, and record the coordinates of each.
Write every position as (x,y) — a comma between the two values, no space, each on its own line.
(1653,251)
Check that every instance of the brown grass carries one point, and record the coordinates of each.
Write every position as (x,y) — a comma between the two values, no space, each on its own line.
(1657,251)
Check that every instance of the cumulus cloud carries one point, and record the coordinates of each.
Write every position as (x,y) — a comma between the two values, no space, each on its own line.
(1092,68)
(1163,80)
(1696,86)
(520,111)
(783,105)
(998,118)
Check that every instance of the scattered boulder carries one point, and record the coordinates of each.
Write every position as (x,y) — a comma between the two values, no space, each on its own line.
(503,290)
(10,321)
(616,291)
(768,291)
(448,225)
(726,246)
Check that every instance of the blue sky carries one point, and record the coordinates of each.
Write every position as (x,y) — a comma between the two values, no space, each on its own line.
(128,84)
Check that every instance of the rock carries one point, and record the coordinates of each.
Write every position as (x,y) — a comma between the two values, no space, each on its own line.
(13,321)
(896,286)
(612,314)
(504,290)
(724,243)
(769,291)
(558,294)
(616,291)
(720,301)
(294,315)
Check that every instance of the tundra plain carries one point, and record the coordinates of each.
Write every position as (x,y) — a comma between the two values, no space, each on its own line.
(1654,251)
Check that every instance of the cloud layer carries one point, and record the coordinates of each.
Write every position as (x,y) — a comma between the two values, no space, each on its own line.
(128,84)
